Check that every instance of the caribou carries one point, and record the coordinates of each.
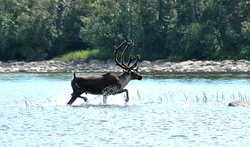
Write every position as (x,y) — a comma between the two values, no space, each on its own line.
(108,83)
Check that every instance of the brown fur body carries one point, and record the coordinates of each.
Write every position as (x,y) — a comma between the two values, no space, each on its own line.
(106,84)
(95,84)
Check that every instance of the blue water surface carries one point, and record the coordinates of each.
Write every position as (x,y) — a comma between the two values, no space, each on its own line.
(164,110)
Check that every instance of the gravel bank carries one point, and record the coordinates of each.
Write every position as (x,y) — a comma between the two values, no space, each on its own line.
(158,66)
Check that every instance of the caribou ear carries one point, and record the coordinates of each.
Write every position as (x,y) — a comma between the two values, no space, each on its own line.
(74,75)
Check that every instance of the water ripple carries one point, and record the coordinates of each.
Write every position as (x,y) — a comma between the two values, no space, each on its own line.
(161,112)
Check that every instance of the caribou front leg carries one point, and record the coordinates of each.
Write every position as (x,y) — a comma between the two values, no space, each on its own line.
(121,91)
(114,91)
(104,99)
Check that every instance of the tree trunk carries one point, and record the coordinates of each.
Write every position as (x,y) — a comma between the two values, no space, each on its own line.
(141,27)
(194,18)
(59,21)
(3,6)
(130,36)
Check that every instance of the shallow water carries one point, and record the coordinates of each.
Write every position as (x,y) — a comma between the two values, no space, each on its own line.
(164,110)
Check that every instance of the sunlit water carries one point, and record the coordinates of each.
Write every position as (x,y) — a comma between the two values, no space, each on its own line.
(166,110)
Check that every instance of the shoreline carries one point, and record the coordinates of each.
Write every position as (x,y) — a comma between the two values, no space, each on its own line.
(157,66)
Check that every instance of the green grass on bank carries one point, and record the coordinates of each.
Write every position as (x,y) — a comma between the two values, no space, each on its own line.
(82,55)
(104,54)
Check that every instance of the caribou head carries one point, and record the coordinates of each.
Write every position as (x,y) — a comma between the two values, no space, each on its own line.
(130,72)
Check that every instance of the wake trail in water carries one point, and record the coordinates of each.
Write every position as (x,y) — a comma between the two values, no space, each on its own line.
(61,100)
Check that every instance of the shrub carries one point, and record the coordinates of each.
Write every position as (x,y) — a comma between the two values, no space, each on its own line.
(87,54)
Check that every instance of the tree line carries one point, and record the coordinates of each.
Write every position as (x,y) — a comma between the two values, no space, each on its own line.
(167,29)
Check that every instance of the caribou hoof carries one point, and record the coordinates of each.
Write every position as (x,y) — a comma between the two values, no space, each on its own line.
(84,98)
(126,100)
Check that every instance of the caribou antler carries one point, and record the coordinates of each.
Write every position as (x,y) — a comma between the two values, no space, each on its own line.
(116,54)
(135,65)
(131,58)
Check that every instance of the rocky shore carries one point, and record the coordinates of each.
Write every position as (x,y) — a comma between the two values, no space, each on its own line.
(158,66)
(239,103)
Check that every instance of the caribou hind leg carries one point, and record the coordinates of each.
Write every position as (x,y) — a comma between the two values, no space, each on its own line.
(84,98)
(71,101)
(74,97)
(77,91)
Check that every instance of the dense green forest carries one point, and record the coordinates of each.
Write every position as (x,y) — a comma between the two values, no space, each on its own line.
(166,29)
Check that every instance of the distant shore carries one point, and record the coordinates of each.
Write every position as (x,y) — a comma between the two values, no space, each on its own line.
(157,66)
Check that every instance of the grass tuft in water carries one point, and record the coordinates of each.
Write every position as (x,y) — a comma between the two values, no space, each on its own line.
(203,98)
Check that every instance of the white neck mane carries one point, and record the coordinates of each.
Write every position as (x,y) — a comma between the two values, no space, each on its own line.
(124,80)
